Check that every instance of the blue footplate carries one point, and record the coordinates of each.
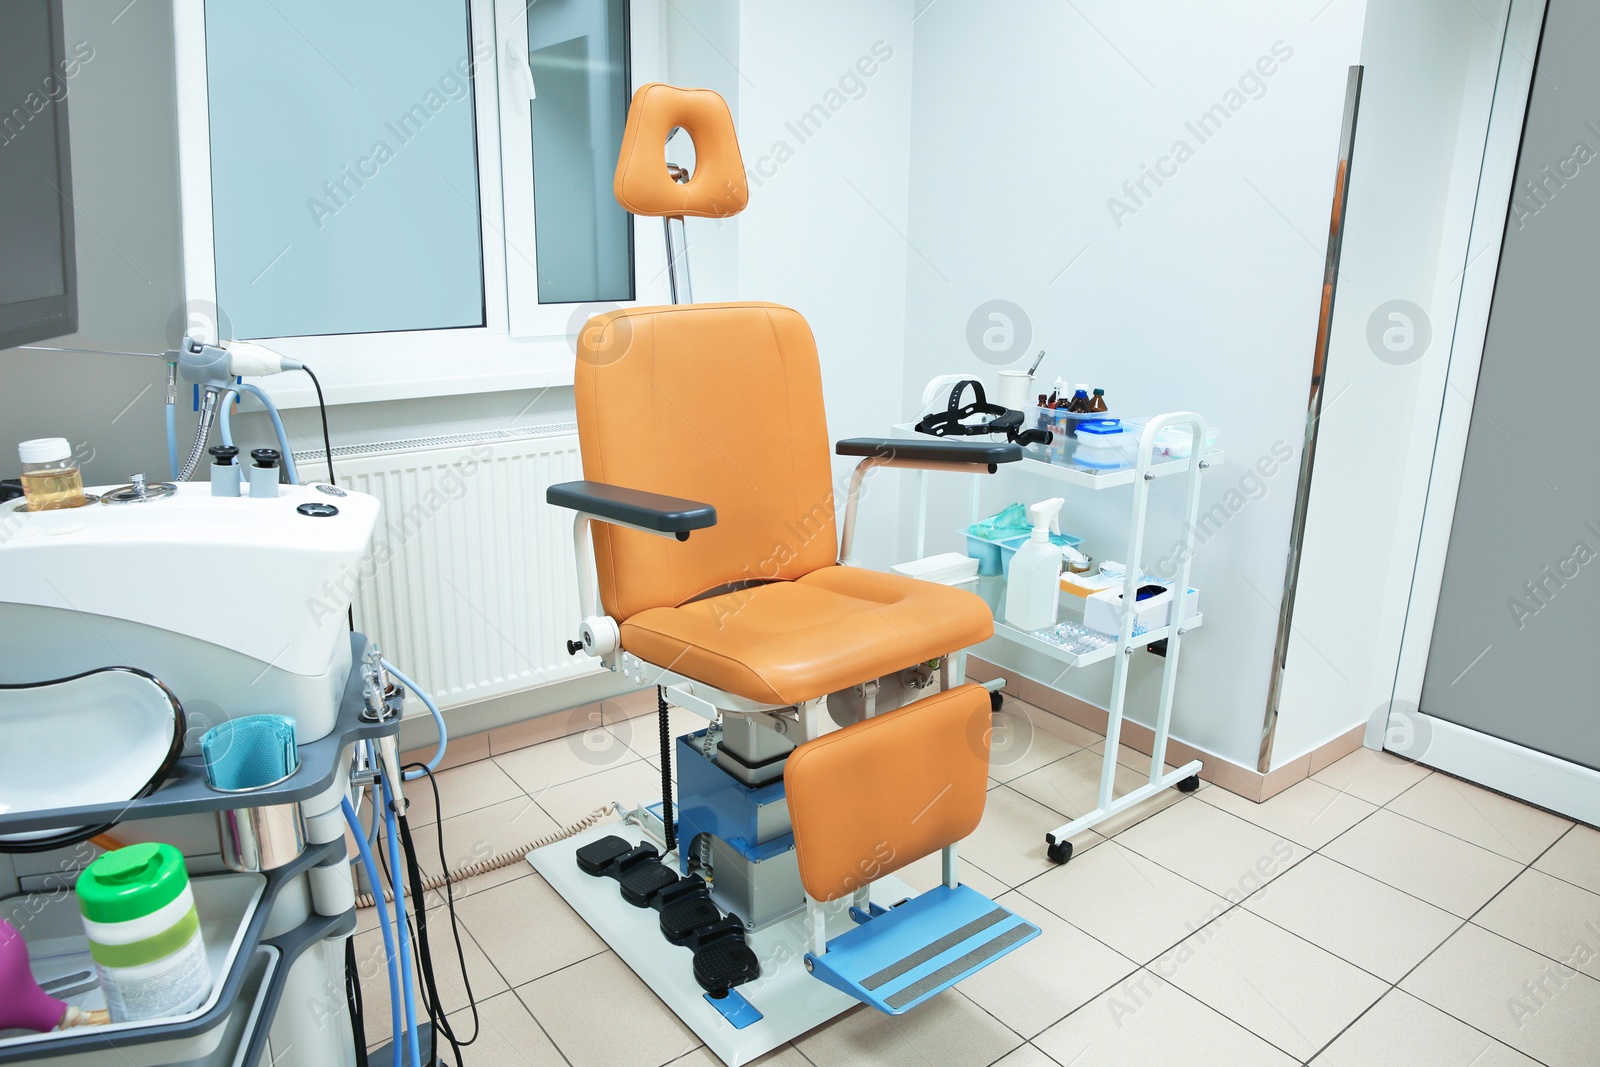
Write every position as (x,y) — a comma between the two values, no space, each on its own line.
(899,958)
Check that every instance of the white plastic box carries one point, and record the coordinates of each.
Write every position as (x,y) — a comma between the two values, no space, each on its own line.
(1103,610)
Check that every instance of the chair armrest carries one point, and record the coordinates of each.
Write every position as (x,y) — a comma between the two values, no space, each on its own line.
(650,512)
(938,452)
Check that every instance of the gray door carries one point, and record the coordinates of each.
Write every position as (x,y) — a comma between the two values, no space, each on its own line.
(1516,648)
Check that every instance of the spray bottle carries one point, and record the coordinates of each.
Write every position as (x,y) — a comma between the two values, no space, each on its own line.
(1034,588)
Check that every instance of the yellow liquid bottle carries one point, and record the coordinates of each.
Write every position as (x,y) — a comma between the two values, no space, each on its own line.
(51,479)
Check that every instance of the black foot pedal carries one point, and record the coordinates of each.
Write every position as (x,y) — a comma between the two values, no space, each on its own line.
(596,856)
(722,960)
(681,918)
(639,855)
(688,886)
(641,884)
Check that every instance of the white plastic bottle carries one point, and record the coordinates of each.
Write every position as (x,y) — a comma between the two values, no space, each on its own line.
(1034,588)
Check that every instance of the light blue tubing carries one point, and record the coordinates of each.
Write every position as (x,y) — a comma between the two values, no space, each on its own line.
(383,921)
(396,870)
(438,718)
(225,425)
(172,439)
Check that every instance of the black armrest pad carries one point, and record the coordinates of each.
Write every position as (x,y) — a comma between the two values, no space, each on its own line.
(652,511)
(935,450)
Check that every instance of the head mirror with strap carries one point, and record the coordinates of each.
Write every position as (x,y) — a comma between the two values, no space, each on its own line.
(952,421)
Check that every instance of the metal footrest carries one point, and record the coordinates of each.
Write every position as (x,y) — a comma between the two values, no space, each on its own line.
(899,958)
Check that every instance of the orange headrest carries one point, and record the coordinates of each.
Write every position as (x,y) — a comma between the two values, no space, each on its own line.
(715,189)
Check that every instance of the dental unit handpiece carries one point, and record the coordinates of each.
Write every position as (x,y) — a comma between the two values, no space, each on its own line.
(214,369)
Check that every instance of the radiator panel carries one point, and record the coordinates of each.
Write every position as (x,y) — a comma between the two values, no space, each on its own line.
(471,587)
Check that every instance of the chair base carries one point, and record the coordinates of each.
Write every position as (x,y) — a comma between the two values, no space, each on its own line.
(785,1002)
(898,958)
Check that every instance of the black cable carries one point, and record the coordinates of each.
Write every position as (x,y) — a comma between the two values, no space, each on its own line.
(352,995)
(441,1023)
(322,405)
(666,769)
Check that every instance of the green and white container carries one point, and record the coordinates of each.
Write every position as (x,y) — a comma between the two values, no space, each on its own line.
(144,933)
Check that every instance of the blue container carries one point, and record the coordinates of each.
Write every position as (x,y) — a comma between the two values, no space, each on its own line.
(987,553)
(1008,549)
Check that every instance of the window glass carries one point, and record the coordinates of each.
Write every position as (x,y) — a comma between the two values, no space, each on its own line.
(578,56)
(343,166)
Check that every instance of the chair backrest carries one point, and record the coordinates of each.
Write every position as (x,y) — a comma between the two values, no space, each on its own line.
(885,792)
(719,403)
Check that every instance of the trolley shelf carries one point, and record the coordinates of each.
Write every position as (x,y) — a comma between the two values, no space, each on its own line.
(1033,462)
(1100,655)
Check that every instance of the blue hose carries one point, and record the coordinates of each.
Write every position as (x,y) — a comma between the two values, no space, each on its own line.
(396,870)
(172,439)
(225,425)
(383,920)
(438,718)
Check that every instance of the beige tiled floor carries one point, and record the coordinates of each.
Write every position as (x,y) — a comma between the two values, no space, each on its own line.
(1376,915)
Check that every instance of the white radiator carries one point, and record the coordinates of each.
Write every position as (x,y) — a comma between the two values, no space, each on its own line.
(470,588)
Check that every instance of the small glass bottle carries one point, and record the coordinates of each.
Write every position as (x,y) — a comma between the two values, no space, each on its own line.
(51,479)
(1098,402)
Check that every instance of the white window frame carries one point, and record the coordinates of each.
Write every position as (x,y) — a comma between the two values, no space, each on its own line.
(523,344)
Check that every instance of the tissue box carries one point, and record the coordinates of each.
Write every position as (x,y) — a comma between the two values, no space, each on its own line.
(1103,610)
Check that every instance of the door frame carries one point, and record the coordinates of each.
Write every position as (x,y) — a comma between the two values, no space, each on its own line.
(1510,768)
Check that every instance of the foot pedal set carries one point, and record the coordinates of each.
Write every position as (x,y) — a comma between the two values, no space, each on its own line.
(689,917)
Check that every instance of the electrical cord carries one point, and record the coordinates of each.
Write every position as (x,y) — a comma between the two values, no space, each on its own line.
(669,831)
(322,406)
(352,996)
(432,1001)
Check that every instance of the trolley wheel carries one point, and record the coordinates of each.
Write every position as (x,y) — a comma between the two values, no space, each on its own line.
(1059,851)
(995,700)
(1189,784)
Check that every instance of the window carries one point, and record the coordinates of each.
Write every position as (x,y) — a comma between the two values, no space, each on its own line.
(412,195)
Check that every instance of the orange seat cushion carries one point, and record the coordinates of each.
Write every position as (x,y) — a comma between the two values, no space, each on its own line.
(874,797)
(830,629)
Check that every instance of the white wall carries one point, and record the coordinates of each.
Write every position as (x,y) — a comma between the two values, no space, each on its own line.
(1430,72)
(824,229)
(1027,119)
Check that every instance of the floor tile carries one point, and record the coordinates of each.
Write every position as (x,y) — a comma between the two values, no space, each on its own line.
(1146,1021)
(1132,758)
(928,872)
(1443,870)
(1550,916)
(1513,829)
(1025,739)
(1071,786)
(1575,858)
(461,790)
(948,1030)
(783,1056)
(1039,983)
(1026,1056)
(527,930)
(1359,919)
(1515,995)
(1402,1031)
(538,768)
(1221,852)
(599,1014)
(630,784)
(1278,986)
(372,966)
(479,835)
(1009,842)
(1307,813)
(507,1036)
(1376,777)
(542,728)
(1115,895)
(642,733)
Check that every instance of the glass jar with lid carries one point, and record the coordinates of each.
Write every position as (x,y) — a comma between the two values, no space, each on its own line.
(51,479)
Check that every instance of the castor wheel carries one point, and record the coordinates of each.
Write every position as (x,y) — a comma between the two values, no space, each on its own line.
(995,700)
(1058,851)
(1189,784)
